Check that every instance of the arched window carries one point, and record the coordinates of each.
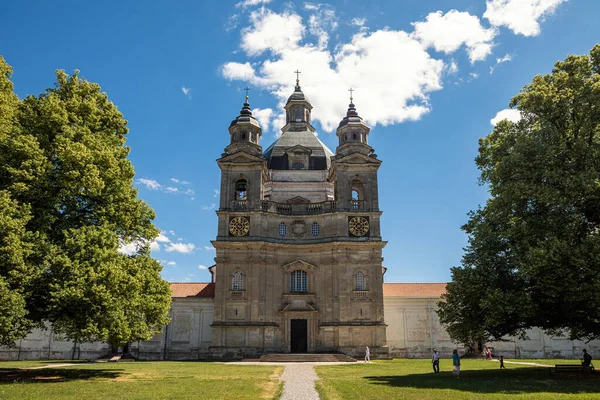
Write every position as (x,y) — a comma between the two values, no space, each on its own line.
(298,165)
(243,135)
(359,281)
(241,189)
(358,195)
(315,229)
(354,136)
(237,283)
(298,282)
(298,115)
(282,229)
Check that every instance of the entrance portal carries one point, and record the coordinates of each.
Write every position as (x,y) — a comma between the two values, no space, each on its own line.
(298,340)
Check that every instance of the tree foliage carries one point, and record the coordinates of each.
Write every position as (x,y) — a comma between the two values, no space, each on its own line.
(67,202)
(533,257)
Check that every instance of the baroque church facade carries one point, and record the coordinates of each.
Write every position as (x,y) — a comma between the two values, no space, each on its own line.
(298,250)
(298,266)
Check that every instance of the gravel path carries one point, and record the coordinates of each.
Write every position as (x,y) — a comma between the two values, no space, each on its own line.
(298,378)
(299,382)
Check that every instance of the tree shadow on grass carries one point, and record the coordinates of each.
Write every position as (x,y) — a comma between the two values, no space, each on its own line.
(509,381)
(51,375)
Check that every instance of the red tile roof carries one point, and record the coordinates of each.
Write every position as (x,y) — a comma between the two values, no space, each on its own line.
(192,289)
(414,289)
(203,289)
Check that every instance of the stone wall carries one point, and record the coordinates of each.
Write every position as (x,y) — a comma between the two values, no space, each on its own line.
(413,330)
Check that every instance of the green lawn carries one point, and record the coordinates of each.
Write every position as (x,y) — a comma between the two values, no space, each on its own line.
(140,380)
(414,379)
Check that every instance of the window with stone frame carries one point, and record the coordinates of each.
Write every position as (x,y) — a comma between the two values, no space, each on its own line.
(360,284)
(282,229)
(298,282)
(315,229)
(237,282)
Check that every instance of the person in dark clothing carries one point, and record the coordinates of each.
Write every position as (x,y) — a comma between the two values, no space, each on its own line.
(502,362)
(587,359)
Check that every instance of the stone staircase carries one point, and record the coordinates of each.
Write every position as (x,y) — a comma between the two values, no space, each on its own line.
(305,357)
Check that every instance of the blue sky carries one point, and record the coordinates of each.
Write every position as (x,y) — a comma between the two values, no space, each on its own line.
(429,77)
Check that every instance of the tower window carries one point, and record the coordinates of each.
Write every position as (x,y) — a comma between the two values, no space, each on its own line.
(298,115)
(244,135)
(282,229)
(315,229)
(298,165)
(359,281)
(298,282)
(237,283)
(241,189)
(354,136)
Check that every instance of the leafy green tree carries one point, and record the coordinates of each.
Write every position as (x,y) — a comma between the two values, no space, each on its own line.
(533,257)
(67,203)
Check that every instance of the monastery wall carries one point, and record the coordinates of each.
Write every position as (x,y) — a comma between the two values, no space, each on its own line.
(413,331)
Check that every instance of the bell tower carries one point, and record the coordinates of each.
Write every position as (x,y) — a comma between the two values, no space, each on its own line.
(355,165)
(242,164)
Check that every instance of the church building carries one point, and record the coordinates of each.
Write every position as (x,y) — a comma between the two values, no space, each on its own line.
(298,249)
(298,266)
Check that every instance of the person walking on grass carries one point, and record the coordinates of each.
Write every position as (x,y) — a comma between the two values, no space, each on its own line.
(456,363)
(367,354)
(502,362)
(435,361)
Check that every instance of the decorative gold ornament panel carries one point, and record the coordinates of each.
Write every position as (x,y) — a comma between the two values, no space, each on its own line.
(358,226)
(239,226)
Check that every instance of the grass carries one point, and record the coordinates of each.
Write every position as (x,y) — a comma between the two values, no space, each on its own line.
(414,379)
(140,380)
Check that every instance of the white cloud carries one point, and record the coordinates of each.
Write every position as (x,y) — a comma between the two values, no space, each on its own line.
(390,70)
(501,60)
(263,116)
(149,183)
(180,181)
(211,207)
(209,248)
(358,22)
(216,193)
(271,31)
(187,91)
(452,68)
(520,16)
(448,32)
(321,23)
(184,248)
(512,115)
(171,189)
(171,263)
(232,22)
(129,248)
(135,246)
(250,3)
(186,279)
(162,239)
(238,71)
(172,232)
(202,267)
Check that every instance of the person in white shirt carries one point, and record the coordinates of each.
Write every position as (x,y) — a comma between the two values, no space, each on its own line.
(435,361)
(367,354)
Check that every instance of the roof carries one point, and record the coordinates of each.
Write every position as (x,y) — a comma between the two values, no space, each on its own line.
(192,289)
(305,138)
(203,289)
(414,289)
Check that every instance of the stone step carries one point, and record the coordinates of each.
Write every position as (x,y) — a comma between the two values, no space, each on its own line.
(305,357)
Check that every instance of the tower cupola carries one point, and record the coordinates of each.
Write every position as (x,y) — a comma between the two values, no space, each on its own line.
(244,131)
(353,132)
(297,110)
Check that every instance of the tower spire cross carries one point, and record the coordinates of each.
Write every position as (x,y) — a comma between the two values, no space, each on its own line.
(297,75)
(247,89)
(351,90)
